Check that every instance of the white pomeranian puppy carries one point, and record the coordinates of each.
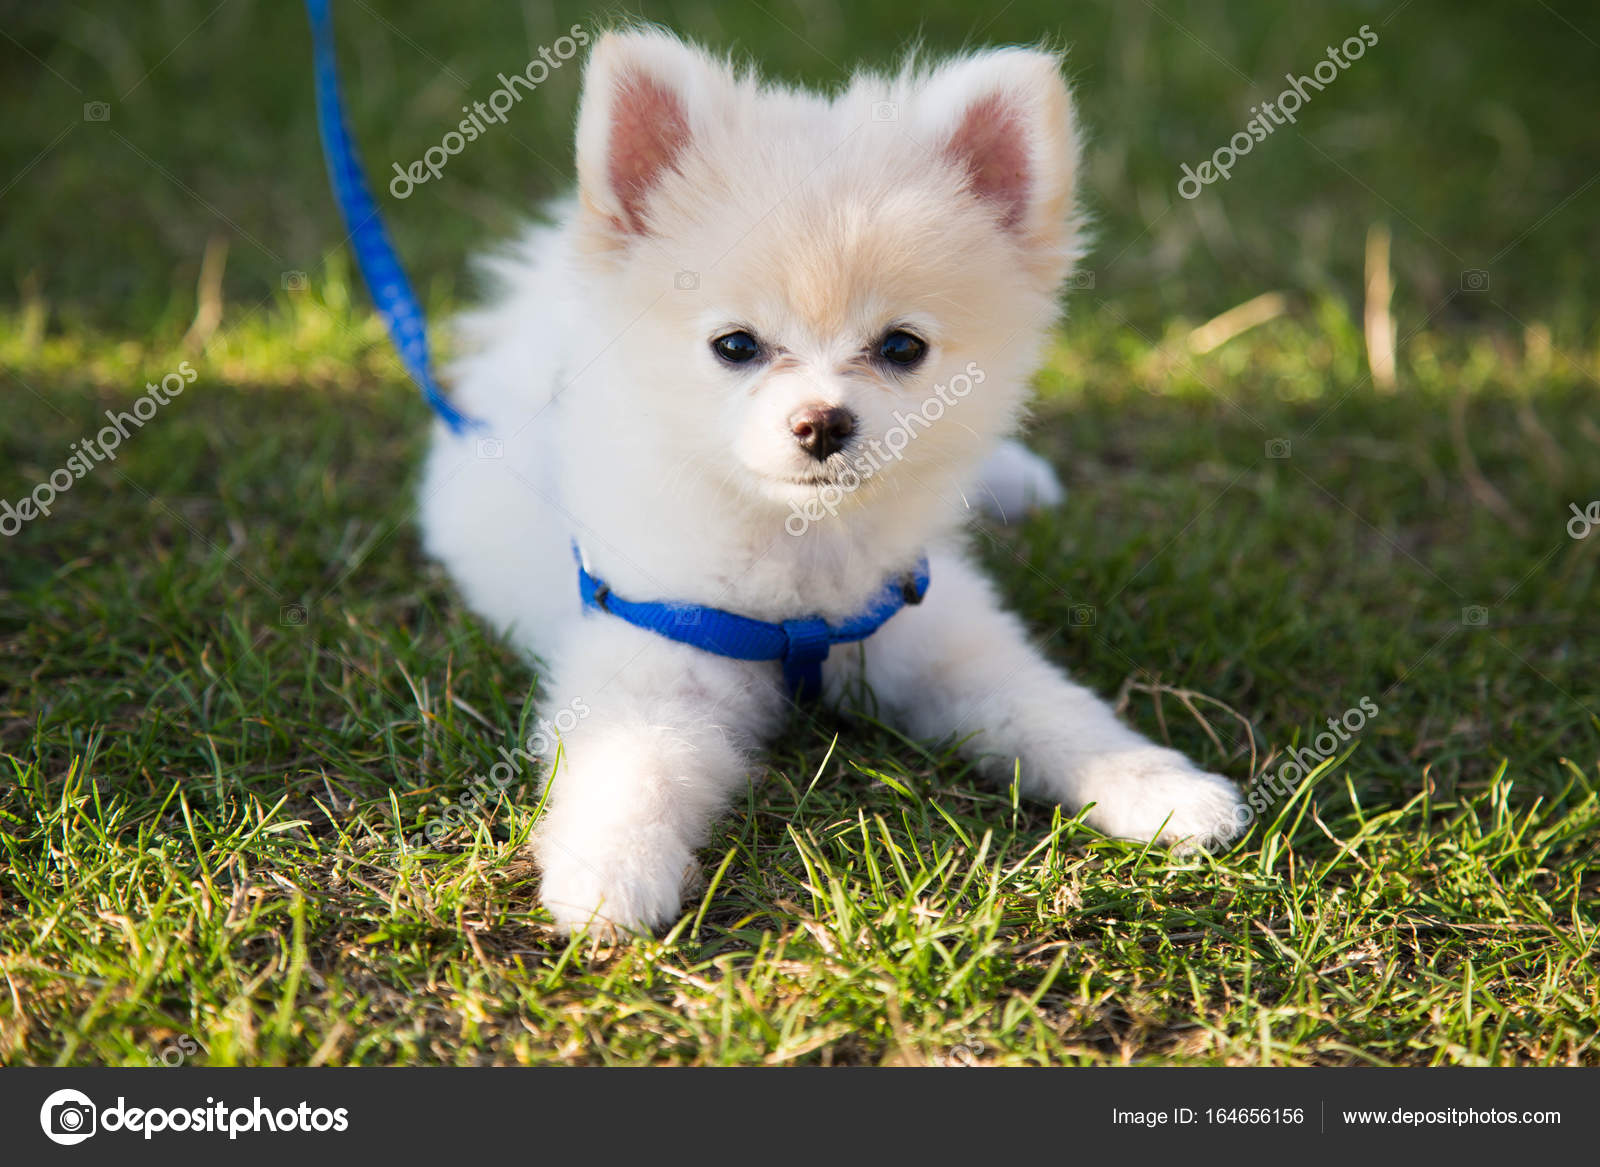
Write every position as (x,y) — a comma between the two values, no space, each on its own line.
(753,372)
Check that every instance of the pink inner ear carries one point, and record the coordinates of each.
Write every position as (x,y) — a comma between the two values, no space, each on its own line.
(649,129)
(991,144)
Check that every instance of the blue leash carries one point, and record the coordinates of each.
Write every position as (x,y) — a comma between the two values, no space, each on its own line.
(802,645)
(375,254)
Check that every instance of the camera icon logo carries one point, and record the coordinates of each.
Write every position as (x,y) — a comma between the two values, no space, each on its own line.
(68,1117)
(490,448)
(1278,448)
(686,281)
(292,615)
(1081,616)
(97,111)
(1475,616)
(1474,279)
(885,111)
(295,281)
(1082,281)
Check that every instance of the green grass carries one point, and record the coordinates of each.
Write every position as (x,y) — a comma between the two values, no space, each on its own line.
(204,796)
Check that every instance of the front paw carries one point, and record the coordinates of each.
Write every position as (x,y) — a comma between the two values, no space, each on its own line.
(613,887)
(1154,793)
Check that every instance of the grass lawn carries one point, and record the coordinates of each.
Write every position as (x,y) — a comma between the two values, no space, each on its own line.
(231,687)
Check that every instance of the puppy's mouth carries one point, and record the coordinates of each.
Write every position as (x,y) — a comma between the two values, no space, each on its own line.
(821,478)
(829,472)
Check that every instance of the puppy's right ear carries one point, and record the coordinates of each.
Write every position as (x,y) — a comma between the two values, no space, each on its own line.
(644,91)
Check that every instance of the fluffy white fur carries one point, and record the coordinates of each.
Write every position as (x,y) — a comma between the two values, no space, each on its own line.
(939,201)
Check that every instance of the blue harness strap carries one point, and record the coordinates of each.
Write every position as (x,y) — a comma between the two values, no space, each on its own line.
(802,645)
(375,254)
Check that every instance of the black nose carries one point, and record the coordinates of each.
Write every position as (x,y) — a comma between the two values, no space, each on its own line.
(822,429)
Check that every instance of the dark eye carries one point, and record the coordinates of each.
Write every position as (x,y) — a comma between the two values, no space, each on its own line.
(736,347)
(902,349)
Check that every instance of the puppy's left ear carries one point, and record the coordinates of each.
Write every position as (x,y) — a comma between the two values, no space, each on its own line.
(1005,119)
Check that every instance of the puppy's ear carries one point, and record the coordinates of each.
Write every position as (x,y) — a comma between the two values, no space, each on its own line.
(1004,118)
(643,93)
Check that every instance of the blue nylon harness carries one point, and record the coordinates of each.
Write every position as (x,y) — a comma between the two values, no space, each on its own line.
(802,645)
